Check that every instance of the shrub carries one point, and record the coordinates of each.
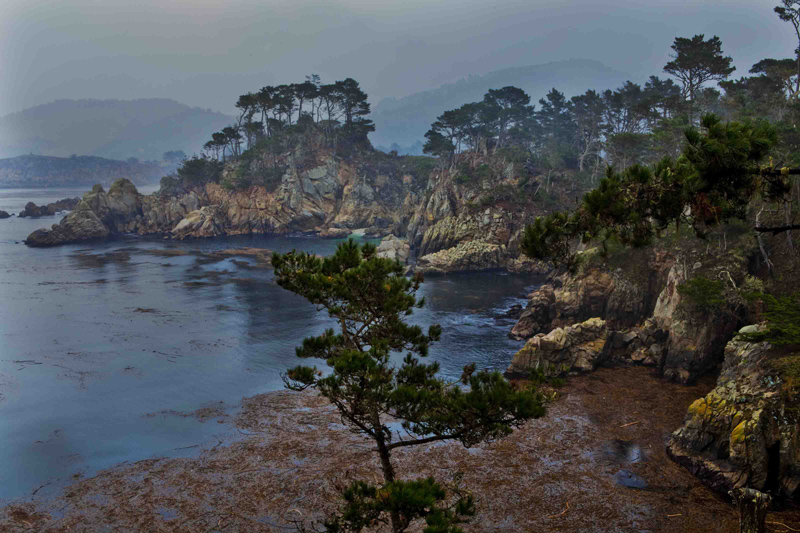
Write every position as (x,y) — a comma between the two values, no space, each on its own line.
(783,321)
(703,295)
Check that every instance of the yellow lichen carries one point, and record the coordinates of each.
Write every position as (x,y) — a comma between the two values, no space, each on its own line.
(739,433)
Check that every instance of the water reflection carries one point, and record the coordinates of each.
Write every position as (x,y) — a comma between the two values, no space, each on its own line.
(95,339)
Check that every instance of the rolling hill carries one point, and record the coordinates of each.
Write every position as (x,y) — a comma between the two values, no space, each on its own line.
(115,129)
(404,121)
(78,171)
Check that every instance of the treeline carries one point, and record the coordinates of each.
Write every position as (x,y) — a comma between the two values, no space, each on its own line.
(633,124)
(277,116)
(273,122)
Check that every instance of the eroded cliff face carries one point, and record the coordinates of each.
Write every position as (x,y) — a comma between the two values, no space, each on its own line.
(472,226)
(453,226)
(648,320)
(746,432)
(329,195)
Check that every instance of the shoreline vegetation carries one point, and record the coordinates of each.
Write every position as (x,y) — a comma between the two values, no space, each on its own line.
(273,473)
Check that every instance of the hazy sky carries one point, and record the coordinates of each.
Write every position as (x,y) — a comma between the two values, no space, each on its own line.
(207,52)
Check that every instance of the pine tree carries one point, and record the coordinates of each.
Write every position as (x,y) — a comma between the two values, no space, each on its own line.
(369,297)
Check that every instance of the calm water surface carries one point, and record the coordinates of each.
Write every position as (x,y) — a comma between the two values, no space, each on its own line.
(101,344)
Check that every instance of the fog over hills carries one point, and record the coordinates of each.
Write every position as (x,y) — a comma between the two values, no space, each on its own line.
(405,120)
(115,129)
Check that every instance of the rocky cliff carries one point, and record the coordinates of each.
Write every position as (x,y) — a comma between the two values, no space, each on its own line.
(746,432)
(638,295)
(328,195)
(453,224)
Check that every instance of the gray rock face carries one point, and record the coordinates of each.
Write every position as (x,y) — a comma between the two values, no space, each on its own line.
(203,222)
(395,249)
(4,214)
(745,433)
(121,209)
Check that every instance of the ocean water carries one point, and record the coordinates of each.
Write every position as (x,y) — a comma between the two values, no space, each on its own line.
(105,347)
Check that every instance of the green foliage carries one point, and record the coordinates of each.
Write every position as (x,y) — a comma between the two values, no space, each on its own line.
(703,295)
(466,173)
(697,61)
(422,499)
(550,377)
(783,321)
(199,170)
(369,297)
(419,166)
(712,183)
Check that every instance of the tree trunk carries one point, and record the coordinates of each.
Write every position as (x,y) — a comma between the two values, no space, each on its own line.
(753,506)
(388,477)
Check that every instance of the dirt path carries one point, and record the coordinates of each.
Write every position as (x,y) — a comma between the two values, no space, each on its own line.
(595,463)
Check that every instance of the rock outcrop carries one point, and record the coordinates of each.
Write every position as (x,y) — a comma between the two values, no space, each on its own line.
(617,296)
(33,211)
(746,432)
(121,209)
(470,256)
(394,248)
(329,195)
(571,348)
(4,214)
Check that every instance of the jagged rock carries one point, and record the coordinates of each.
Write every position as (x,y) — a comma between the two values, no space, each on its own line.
(33,211)
(393,248)
(536,317)
(745,433)
(4,214)
(577,347)
(466,257)
(204,222)
(621,301)
(81,224)
(696,341)
(515,311)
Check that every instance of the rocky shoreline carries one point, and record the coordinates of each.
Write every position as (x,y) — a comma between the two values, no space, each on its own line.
(545,477)
(329,197)
(744,433)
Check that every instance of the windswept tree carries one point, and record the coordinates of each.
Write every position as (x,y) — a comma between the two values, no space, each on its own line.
(784,71)
(504,109)
(376,374)
(695,62)
(789,11)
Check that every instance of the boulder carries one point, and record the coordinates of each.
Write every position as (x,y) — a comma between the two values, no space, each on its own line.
(81,224)
(394,248)
(537,316)
(204,222)
(4,214)
(572,348)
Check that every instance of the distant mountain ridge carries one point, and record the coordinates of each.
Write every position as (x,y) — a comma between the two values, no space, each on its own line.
(115,129)
(404,121)
(79,171)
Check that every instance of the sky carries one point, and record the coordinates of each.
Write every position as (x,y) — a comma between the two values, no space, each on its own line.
(207,52)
